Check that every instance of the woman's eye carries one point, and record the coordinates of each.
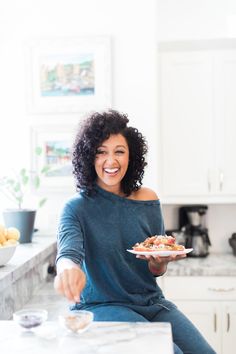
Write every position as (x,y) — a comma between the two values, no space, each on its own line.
(100,152)
(120,152)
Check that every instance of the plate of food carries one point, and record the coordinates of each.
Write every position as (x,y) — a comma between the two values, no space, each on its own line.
(159,245)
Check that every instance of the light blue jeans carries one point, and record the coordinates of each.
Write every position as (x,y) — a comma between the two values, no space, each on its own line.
(187,339)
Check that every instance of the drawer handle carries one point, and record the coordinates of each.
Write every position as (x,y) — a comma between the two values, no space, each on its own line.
(215,322)
(221,290)
(228,322)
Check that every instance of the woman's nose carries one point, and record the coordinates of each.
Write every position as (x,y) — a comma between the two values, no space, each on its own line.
(110,157)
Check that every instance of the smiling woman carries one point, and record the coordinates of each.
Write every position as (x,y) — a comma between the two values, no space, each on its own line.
(111,213)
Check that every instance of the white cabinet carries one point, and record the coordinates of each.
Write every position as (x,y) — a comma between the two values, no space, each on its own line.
(228,327)
(210,303)
(198,124)
(206,317)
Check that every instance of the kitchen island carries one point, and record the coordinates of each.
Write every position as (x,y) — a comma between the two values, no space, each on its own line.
(100,338)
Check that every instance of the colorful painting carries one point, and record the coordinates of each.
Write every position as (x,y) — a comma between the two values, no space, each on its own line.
(67,75)
(58,157)
(56,143)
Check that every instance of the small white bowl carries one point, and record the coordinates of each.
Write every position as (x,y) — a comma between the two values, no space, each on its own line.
(30,318)
(6,253)
(76,321)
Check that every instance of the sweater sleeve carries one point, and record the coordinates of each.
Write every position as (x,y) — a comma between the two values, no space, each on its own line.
(70,241)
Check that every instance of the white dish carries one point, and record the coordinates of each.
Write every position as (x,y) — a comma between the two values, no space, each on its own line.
(30,318)
(6,253)
(76,321)
(161,253)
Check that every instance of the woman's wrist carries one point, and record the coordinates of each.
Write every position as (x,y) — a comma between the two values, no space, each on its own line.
(157,270)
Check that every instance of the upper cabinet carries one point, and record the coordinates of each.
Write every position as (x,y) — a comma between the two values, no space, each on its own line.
(198,123)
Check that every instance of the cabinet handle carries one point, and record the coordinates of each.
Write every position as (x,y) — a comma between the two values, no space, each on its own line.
(221,180)
(221,290)
(215,322)
(228,322)
(209,181)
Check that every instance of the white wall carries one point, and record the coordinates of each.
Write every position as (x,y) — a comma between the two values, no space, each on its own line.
(131,26)
(196,19)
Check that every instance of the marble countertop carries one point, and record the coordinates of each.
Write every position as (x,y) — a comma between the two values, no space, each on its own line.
(25,257)
(213,265)
(100,338)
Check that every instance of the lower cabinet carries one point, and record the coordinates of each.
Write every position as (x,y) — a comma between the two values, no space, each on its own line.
(210,303)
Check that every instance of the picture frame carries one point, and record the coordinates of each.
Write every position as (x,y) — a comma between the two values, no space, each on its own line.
(69,75)
(55,143)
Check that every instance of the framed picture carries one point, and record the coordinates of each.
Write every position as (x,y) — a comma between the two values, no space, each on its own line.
(69,75)
(55,145)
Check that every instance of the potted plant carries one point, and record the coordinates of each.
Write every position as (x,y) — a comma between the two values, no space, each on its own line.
(15,188)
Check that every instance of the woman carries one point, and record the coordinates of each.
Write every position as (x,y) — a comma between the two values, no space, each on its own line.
(110,213)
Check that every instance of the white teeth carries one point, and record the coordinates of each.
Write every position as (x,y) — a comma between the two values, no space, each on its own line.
(111,170)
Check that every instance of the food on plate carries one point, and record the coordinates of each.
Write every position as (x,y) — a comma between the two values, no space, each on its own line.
(8,236)
(158,243)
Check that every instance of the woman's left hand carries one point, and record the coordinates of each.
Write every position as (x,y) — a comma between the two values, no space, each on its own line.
(158,265)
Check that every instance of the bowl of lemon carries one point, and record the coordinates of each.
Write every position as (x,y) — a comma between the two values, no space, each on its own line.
(8,242)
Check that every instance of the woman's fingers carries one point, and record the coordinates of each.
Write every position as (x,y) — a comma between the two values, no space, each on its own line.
(77,282)
(70,283)
(67,284)
(161,260)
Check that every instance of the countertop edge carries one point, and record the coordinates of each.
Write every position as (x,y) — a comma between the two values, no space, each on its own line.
(26,257)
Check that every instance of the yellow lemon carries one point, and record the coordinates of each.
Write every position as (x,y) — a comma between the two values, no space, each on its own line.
(13,233)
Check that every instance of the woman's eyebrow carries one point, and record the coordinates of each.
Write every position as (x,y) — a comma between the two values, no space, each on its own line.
(117,146)
(123,146)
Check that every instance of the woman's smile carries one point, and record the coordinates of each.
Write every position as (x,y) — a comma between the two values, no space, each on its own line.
(111,171)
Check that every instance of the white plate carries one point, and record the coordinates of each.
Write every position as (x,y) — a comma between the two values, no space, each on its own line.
(161,253)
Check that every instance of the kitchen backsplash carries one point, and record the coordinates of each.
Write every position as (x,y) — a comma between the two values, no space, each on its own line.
(220,221)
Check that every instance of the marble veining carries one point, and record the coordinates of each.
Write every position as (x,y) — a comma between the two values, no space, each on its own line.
(100,338)
(212,265)
(24,273)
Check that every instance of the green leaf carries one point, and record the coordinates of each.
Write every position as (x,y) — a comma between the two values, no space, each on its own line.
(45,169)
(23,172)
(36,181)
(42,202)
(17,187)
(38,150)
(25,180)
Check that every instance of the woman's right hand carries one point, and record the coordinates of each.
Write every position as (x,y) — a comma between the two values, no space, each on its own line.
(70,283)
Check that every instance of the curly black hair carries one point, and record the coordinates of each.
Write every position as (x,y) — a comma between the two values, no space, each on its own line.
(94,130)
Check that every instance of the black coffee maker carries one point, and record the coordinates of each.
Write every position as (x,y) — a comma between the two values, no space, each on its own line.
(196,235)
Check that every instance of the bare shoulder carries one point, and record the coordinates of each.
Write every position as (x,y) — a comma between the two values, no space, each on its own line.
(144,193)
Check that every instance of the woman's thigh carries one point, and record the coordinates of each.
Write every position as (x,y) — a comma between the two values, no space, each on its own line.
(185,335)
(116,313)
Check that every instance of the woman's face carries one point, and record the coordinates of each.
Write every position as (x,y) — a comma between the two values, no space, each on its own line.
(111,163)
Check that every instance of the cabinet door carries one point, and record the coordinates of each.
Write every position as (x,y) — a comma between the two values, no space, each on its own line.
(206,316)
(186,122)
(225,116)
(229,327)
